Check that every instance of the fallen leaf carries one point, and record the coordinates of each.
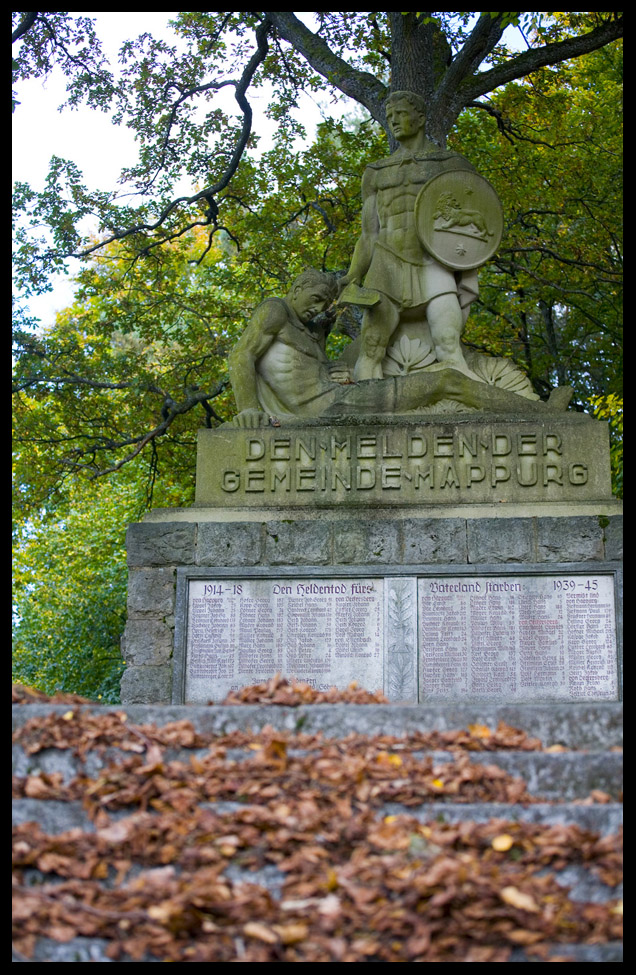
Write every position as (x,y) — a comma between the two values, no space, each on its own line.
(502,842)
(254,929)
(516,898)
(599,796)
(42,786)
(330,906)
(389,759)
(522,937)
(291,934)
(163,911)
(479,731)
(332,880)
(61,932)
(117,832)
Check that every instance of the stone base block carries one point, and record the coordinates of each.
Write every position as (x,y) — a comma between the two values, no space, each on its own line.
(146,684)
(393,461)
(165,555)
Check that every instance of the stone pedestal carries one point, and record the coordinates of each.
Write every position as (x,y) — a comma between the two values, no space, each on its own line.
(351,504)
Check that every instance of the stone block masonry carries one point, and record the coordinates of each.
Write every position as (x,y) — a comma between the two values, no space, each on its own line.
(156,549)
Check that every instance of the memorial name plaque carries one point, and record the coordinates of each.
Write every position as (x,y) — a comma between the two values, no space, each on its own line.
(520,637)
(499,634)
(324,632)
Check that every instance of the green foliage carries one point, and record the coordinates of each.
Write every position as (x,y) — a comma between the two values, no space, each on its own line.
(69,585)
(70,597)
(610,408)
(145,338)
(51,39)
(167,94)
(552,297)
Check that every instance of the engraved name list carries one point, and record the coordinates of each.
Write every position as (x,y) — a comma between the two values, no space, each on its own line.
(323,632)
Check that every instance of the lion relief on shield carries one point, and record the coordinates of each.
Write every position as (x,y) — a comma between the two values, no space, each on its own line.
(450,214)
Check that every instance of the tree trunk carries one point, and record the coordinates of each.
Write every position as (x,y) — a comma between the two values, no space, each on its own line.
(420,55)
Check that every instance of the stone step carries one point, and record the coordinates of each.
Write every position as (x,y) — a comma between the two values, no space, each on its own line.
(57,816)
(561,775)
(589,731)
(593,727)
(94,950)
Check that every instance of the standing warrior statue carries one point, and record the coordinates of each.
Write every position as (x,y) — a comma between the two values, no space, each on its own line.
(412,288)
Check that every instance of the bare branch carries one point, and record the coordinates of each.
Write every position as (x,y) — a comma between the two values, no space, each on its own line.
(511,132)
(359,85)
(174,411)
(93,445)
(484,37)
(209,192)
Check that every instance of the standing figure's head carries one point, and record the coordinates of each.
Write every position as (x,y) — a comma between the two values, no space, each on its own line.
(405,114)
(311,293)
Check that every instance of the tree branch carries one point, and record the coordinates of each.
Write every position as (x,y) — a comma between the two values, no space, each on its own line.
(362,86)
(24,25)
(524,64)
(211,191)
(101,443)
(140,442)
(482,40)
(511,132)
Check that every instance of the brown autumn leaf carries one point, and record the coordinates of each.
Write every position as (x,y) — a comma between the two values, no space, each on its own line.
(164,911)
(599,796)
(61,932)
(502,842)
(291,934)
(345,895)
(254,929)
(517,898)
(154,761)
(280,690)
(22,694)
(43,786)
(479,731)
(522,937)
(389,836)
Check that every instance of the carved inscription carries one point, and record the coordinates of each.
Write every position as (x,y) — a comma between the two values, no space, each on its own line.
(517,638)
(492,638)
(401,462)
(324,632)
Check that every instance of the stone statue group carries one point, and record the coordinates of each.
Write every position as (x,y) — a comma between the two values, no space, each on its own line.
(429,221)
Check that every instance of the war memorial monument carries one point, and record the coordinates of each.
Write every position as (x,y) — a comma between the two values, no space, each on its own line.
(411,516)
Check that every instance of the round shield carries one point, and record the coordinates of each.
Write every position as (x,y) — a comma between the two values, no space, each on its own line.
(459,219)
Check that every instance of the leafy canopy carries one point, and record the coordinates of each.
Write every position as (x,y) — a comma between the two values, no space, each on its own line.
(168,95)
